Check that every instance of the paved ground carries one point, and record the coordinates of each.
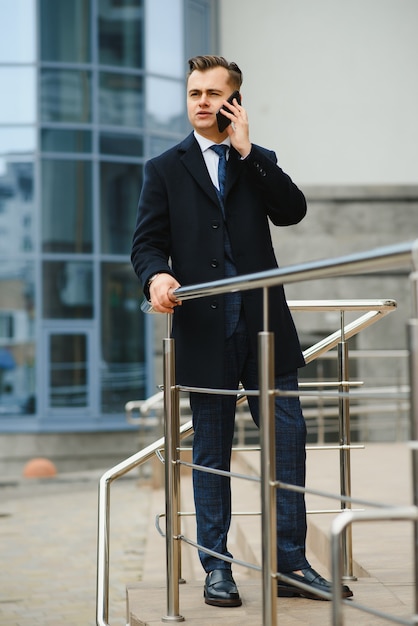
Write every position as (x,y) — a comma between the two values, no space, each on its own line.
(48,534)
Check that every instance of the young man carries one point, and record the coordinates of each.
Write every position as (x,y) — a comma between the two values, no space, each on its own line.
(197,223)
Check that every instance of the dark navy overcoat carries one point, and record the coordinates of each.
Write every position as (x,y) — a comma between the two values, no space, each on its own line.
(180,230)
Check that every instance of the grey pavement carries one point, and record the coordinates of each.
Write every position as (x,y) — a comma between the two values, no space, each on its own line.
(48,533)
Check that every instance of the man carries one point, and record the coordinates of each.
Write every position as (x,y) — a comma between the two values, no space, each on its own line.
(194,225)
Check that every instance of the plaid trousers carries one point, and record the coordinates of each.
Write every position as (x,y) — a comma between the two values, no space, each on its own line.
(213,422)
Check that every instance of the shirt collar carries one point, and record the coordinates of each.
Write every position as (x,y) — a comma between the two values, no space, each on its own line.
(205,144)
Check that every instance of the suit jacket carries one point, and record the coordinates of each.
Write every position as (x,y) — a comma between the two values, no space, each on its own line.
(179,230)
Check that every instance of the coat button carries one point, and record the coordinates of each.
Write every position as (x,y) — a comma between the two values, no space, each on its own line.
(215,224)
(214,263)
(214,304)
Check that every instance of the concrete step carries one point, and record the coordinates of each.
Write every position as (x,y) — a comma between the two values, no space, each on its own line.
(147,607)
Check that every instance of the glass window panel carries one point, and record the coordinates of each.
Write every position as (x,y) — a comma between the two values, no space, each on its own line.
(65,30)
(67,290)
(65,96)
(121,99)
(164,37)
(198,33)
(17,338)
(66,206)
(120,185)
(16,141)
(68,375)
(17,204)
(122,338)
(57,140)
(165,105)
(121,144)
(18,95)
(121,33)
(17,31)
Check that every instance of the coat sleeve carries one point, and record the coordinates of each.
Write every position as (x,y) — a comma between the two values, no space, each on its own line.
(284,201)
(151,243)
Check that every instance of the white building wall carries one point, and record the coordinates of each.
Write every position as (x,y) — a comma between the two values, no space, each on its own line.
(331,85)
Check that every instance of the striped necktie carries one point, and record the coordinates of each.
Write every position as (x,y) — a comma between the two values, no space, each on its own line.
(221,150)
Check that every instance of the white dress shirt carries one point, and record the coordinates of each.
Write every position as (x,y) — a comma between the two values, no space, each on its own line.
(210,156)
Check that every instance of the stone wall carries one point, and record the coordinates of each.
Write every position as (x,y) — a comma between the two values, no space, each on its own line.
(342,221)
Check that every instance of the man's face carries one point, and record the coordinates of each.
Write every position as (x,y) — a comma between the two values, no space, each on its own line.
(205,94)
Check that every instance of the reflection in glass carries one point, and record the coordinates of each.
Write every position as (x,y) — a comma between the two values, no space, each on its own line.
(66,206)
(17,206)
(122,338)
(122,144)
(120,185)
(121,99)
(67,290)
(17,338)
(18,95)
(65,96)
(166,105)
(165,37)
(17,31)
(121,33)
(65,30)
(68,375)
(14,141)
(57,140)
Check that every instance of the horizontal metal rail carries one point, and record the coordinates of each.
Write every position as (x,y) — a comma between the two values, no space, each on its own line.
(400,255)
(376,309)
(339,525)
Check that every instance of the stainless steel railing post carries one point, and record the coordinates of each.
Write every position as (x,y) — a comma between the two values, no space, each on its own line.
(413,373)
(268,471)
(172,483)
(103,531)
(413,384)
(345,457)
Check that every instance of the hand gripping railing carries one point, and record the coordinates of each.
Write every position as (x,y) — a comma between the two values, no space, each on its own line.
(398,255)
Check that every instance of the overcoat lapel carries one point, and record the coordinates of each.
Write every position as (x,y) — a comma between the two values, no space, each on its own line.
(193,160)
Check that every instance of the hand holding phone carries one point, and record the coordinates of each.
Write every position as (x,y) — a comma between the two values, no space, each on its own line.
(222,120)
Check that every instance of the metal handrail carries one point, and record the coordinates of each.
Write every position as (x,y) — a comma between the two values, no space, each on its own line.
(369,261)
(103,534)
(399,255)
(375,309)
(381,258)
(339,526)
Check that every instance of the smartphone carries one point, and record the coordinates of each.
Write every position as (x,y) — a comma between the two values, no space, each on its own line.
(221,119)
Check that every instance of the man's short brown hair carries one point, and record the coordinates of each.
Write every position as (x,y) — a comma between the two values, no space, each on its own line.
(202,63)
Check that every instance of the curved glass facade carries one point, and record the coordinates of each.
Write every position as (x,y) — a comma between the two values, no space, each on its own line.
(91,89)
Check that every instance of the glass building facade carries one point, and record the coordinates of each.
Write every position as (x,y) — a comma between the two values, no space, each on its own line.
(90,90)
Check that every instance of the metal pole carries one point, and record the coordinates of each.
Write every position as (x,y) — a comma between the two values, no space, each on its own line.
(172,441)
(413,384)
(102,603)
(339,525)
(268,477)
(345,460)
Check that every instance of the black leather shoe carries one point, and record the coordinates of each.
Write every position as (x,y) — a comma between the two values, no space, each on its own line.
(220,589)
(313,580)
